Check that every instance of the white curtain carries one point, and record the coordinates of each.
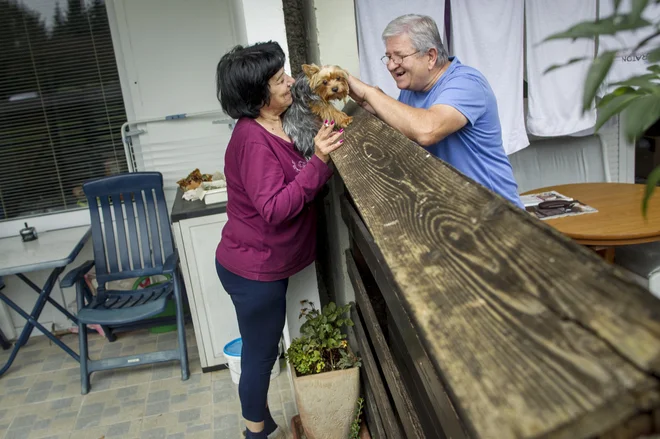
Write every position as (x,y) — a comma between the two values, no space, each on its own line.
(372,17)
(488,36)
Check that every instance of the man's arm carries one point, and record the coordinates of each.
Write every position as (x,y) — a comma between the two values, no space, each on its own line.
(425,127)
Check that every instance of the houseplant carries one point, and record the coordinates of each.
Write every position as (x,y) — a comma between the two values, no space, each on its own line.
(325,372)
(636,99)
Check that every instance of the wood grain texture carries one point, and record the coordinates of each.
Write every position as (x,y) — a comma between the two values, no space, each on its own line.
(534,335)
(370,369)
(371,413)
(407,412)
(426,380)
(619,219)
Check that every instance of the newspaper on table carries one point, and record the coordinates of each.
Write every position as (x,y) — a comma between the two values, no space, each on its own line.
(571,206)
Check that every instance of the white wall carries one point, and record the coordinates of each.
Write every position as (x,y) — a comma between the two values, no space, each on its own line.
(327,45)
(332,33)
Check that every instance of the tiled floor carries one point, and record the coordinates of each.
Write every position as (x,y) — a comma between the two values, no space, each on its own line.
(40,395)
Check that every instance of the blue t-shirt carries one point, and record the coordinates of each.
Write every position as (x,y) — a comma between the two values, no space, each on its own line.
(476,150)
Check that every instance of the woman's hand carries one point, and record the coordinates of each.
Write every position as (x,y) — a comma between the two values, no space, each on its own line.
(327,141)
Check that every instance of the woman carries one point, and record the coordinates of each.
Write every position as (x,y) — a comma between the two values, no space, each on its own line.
(271,229)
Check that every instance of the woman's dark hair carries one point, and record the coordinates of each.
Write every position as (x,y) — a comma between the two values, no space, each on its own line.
(242,78)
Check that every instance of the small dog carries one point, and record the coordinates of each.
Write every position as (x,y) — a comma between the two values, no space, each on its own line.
(312,92)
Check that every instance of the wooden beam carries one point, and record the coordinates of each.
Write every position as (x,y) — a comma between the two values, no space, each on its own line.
(435,399)
(407,413)
(534,335)
(375,383)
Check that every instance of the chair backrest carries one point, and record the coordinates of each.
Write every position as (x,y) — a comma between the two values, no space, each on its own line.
(560,160)
(130,225)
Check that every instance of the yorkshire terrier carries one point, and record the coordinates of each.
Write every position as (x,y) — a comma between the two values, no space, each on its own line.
(313,91)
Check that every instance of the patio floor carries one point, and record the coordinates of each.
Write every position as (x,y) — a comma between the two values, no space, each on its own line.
(40,394)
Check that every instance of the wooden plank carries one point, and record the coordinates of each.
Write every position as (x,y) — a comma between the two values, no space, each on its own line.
(369,365)
(636,427)
(439,400)
(407,413)
(371,412)
(534,335)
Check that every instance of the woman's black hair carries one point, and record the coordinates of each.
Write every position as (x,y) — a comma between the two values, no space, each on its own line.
(242,78)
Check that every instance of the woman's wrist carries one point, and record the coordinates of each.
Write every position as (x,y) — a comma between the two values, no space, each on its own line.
(323,158)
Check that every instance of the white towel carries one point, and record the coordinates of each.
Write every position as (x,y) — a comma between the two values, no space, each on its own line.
(372,18)
(555,98)
(488,36)
(627,65)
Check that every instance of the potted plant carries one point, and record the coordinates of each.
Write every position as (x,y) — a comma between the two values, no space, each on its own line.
(325,372)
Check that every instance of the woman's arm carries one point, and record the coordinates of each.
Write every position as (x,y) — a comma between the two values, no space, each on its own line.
(263,176)
(264,182)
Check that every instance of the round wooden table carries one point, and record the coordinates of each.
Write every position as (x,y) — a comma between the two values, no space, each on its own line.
(619,219)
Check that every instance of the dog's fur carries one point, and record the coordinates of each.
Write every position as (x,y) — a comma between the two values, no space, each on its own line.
(313,91)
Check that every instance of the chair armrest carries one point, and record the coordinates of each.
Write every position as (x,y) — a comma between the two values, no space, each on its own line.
(170,263)
(76,274)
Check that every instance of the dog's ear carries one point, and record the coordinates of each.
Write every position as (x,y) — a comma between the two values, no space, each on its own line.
(310,69)
(343,73)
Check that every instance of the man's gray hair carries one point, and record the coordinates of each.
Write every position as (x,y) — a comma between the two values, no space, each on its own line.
(423,32)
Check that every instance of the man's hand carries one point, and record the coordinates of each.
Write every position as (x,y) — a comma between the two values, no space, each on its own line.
(357,90)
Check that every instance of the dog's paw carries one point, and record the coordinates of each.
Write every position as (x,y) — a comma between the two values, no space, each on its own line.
(345,121)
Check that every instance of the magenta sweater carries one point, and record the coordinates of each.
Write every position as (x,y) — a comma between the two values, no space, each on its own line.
(271,229)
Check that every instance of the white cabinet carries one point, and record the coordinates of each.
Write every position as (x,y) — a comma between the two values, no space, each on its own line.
(211,307)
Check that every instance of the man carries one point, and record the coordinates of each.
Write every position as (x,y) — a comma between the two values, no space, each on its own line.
(445,106)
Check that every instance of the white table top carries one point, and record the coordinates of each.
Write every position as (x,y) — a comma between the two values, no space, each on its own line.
(55,248)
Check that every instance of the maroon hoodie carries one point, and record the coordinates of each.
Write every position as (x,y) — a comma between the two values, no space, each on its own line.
(271,229)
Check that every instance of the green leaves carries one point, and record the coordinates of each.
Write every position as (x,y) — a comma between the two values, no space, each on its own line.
(651,183)
(637,7)
(595,76)
(567,63)
(605,26)
(613,104)
(322,345)
(637,99)
(654,55)
(640,114)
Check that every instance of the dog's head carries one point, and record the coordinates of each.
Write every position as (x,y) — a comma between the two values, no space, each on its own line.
(328,82)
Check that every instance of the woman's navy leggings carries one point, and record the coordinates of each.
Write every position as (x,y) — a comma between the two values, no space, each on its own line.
(261,310)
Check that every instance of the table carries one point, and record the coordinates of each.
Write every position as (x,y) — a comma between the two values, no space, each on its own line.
(619,219)
(53,250)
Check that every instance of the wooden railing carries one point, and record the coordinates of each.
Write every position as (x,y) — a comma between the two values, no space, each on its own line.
(475,319)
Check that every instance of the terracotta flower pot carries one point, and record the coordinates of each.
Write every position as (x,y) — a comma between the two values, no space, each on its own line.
(326,402)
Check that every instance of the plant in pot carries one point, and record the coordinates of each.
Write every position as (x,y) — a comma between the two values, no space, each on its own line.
(325,372)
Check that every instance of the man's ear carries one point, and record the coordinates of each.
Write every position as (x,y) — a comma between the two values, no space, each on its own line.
(310,70)
(433,56)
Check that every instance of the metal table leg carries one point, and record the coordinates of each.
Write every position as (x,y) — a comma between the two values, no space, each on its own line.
(33,319)
(4,343)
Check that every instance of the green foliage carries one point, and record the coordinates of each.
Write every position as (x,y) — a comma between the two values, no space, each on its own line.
(355,425)
(637,99)
(322,346)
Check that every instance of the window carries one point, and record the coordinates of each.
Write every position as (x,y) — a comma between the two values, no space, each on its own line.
(61,106)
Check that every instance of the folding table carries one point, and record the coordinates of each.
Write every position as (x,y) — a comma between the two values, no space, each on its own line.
(52,250)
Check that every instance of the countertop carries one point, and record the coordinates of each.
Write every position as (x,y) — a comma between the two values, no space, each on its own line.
(183,209)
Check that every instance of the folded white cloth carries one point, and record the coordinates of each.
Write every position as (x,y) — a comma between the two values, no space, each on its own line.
(627,64)
(555,98)
(477,27)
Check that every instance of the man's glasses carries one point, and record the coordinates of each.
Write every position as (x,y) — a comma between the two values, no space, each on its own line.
(396,59)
